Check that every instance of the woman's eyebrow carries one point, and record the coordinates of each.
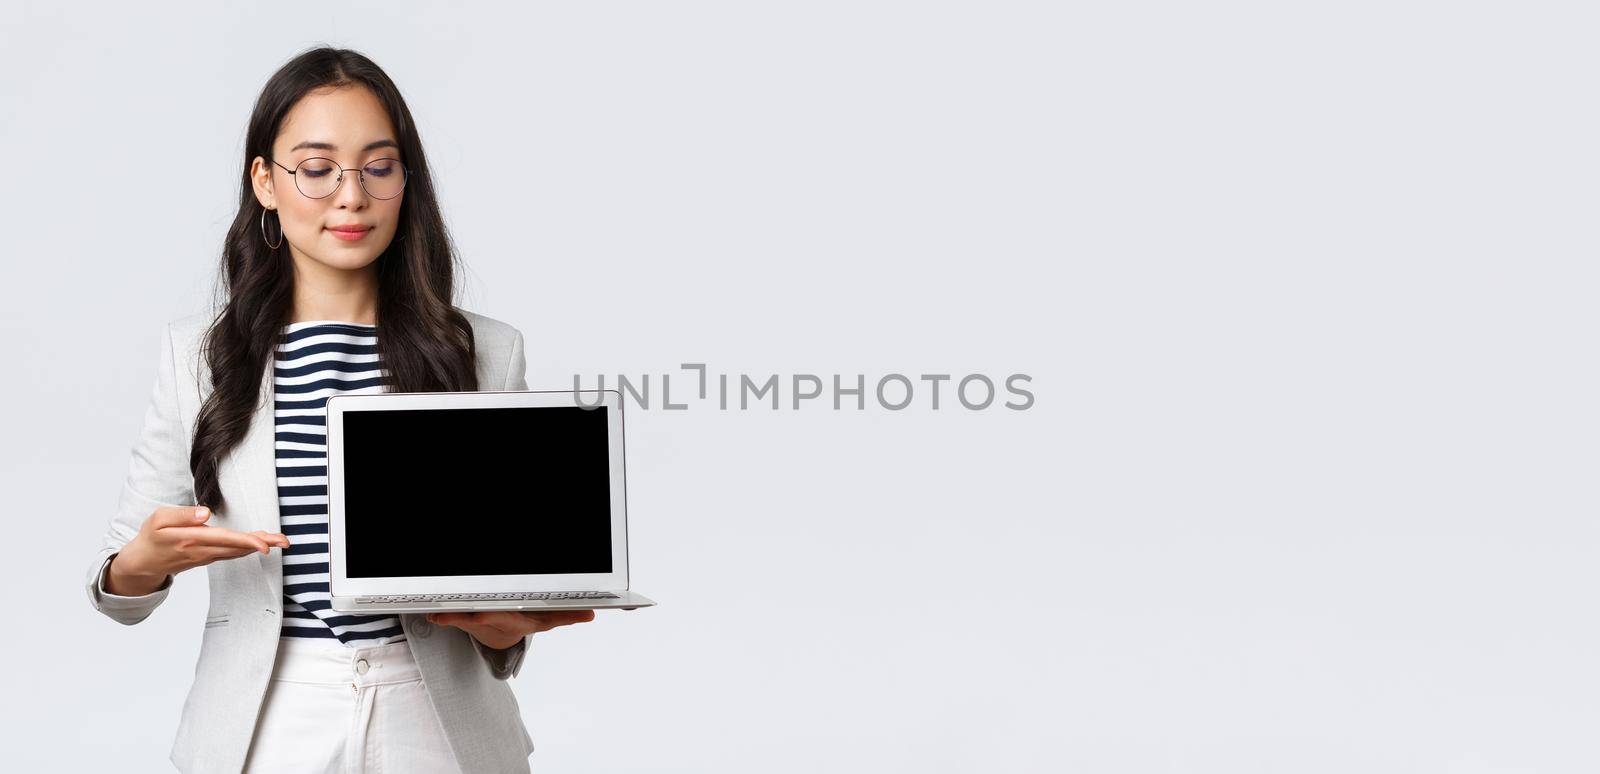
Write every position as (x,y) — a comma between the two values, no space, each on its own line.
(314,145)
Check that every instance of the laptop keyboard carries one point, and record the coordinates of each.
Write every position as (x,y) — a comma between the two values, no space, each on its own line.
(515,595)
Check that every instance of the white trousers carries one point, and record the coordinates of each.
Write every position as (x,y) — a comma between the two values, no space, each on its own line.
(333,709)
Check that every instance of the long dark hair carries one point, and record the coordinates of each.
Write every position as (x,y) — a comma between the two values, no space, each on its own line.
(424,342)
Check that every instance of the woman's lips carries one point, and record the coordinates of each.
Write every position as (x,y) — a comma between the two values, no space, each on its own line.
(349,235)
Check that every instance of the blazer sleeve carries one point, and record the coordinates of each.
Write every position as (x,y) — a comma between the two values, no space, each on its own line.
(506,664)
(158,475)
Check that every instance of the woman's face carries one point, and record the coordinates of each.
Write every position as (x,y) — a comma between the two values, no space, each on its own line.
(349,126)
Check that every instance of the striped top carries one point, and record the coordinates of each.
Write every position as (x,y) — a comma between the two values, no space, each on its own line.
(316,359)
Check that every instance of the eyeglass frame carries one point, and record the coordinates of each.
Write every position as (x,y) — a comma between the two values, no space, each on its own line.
(361,177)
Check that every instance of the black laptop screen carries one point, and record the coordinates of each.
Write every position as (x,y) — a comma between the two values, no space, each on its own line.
(481,491)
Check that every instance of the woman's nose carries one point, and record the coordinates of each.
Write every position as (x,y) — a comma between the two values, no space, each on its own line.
(349,191)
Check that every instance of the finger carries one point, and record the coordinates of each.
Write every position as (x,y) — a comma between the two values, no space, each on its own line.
(224,552)
(179,516)
(556,618)
(215,536)
(273,538)
(560,615)
(463,621)
(479,623)
(216,553)
(509,621)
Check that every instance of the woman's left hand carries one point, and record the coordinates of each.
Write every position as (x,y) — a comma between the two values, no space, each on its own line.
(500,629)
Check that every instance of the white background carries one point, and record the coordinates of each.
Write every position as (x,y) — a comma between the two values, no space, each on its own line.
(1307,291)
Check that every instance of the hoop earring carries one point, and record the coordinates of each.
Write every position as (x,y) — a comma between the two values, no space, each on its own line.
(264,212)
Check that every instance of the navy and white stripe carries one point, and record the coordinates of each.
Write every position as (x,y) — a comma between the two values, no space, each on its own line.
(316,359)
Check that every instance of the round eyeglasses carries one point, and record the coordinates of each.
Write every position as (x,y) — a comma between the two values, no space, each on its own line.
(319,177)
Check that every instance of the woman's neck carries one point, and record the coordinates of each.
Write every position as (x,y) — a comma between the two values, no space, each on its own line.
(323,292)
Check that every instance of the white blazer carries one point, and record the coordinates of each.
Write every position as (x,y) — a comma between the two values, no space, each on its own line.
(239,640)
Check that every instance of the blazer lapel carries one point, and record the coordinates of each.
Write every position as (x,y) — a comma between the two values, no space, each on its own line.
(255,478)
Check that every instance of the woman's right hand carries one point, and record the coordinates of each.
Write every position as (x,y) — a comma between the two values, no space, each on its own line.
(175,539)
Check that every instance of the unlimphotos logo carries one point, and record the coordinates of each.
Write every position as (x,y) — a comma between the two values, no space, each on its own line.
(893,391)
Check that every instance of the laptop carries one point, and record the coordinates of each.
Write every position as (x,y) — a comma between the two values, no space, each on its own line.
(445,501)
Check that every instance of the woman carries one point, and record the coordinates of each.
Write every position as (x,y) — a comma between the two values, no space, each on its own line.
(339,278)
